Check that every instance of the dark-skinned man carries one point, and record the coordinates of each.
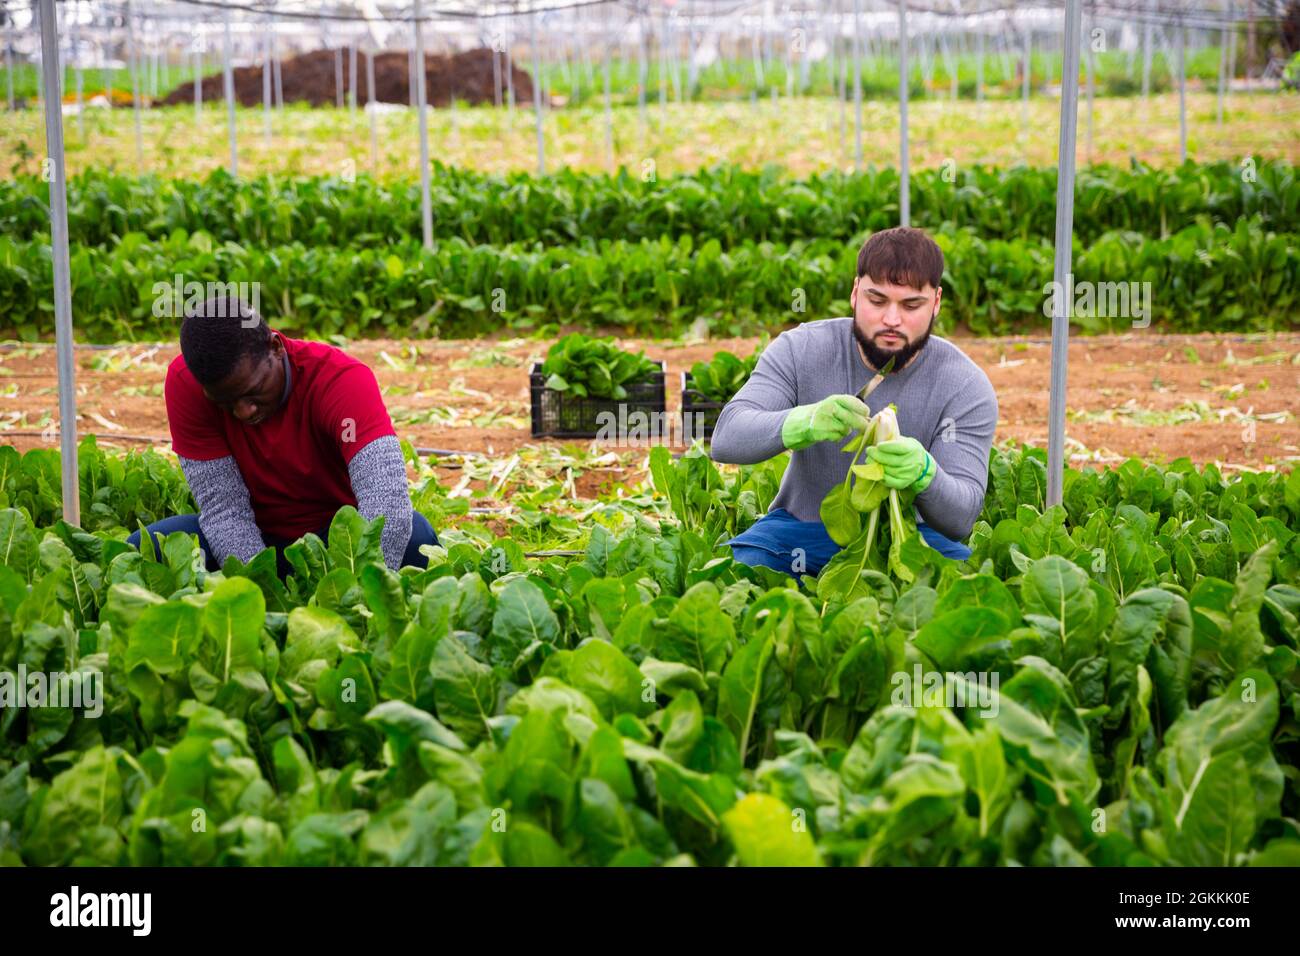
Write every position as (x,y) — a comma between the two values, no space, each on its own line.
(274,435)
(802,396)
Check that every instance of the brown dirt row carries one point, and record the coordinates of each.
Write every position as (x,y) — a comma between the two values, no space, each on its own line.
(1128,394)
(311,78)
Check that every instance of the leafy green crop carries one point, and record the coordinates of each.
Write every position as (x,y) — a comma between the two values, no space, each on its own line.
(1202,278)
(1129,657)
(729,204)
(858,499)
(720,378)
(594,368)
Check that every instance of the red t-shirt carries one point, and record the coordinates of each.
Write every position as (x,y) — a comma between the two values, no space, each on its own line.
(295,463)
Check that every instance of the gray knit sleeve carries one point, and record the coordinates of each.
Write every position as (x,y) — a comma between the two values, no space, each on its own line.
(225,513)
(378,474)
(749,426)
(953,501)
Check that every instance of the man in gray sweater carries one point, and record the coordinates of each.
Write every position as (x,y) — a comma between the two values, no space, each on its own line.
(802,396)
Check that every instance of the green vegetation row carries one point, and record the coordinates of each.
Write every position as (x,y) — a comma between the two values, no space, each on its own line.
(1202,278)
(1128,657)
(582,82)
(728,204)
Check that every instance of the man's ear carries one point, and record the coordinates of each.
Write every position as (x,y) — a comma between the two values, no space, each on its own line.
(277,345)
(853,295)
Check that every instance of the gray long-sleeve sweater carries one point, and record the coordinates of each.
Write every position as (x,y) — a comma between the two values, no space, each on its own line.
(944,401)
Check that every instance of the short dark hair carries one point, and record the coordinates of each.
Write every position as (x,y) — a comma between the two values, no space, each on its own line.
(902,256)
(217,334)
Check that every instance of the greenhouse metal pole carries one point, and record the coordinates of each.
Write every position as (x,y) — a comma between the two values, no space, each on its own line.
(352,77)
(979,70)
(1223,70)
(844,96)
(537,94)
(62,273)
(1092,83)
(510,75)
(266,86)
(410,76)
(198,86)
(229,83)
(857,85)
(277,77)
(609,111)
(1182,92)
(338,77)
(421,104)
(1061,306)
(643,70)
(9,61)
(904,170)
(496,75)
(134,61)
(1024,84)
(76,70)
(370,109)
(1147,37)
(1232,50)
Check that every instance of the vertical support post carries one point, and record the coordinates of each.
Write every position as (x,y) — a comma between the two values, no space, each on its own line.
(134,61)
(9,62)
(1062,265)
(276,76)
(1147,37)
(537,94)
(609,112)
(1182,91)
(338,77)
(410,75)
(510,74)
(857,83)
(904,171)
(496,75)
(70,483)
(370,109)
(421,104)
(1223,71)
(198,84)
(229,82)
(979,70)
(1024,92)
(266,85)
(1092,85)
(643,70)
(352,77)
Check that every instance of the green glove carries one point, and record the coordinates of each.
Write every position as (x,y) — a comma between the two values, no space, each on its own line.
(831,419)
(906,462)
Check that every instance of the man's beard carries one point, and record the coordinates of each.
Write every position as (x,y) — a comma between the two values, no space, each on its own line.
(878,356)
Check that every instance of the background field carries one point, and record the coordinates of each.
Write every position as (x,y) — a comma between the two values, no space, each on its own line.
(805,135)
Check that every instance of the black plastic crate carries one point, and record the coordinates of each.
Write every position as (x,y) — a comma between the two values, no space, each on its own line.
(692,402)
(560,415)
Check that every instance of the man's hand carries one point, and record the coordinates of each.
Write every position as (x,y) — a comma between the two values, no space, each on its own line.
(831,419)
(906,462)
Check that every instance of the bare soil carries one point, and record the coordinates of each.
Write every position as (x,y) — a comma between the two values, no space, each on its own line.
(311,78)
(1127,394)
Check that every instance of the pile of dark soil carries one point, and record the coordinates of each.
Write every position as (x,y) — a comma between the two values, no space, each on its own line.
(310,77)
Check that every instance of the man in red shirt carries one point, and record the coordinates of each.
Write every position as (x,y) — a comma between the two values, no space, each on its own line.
(274,435)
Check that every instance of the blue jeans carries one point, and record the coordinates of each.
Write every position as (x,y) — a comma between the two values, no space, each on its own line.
(421,533)
(773,538)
